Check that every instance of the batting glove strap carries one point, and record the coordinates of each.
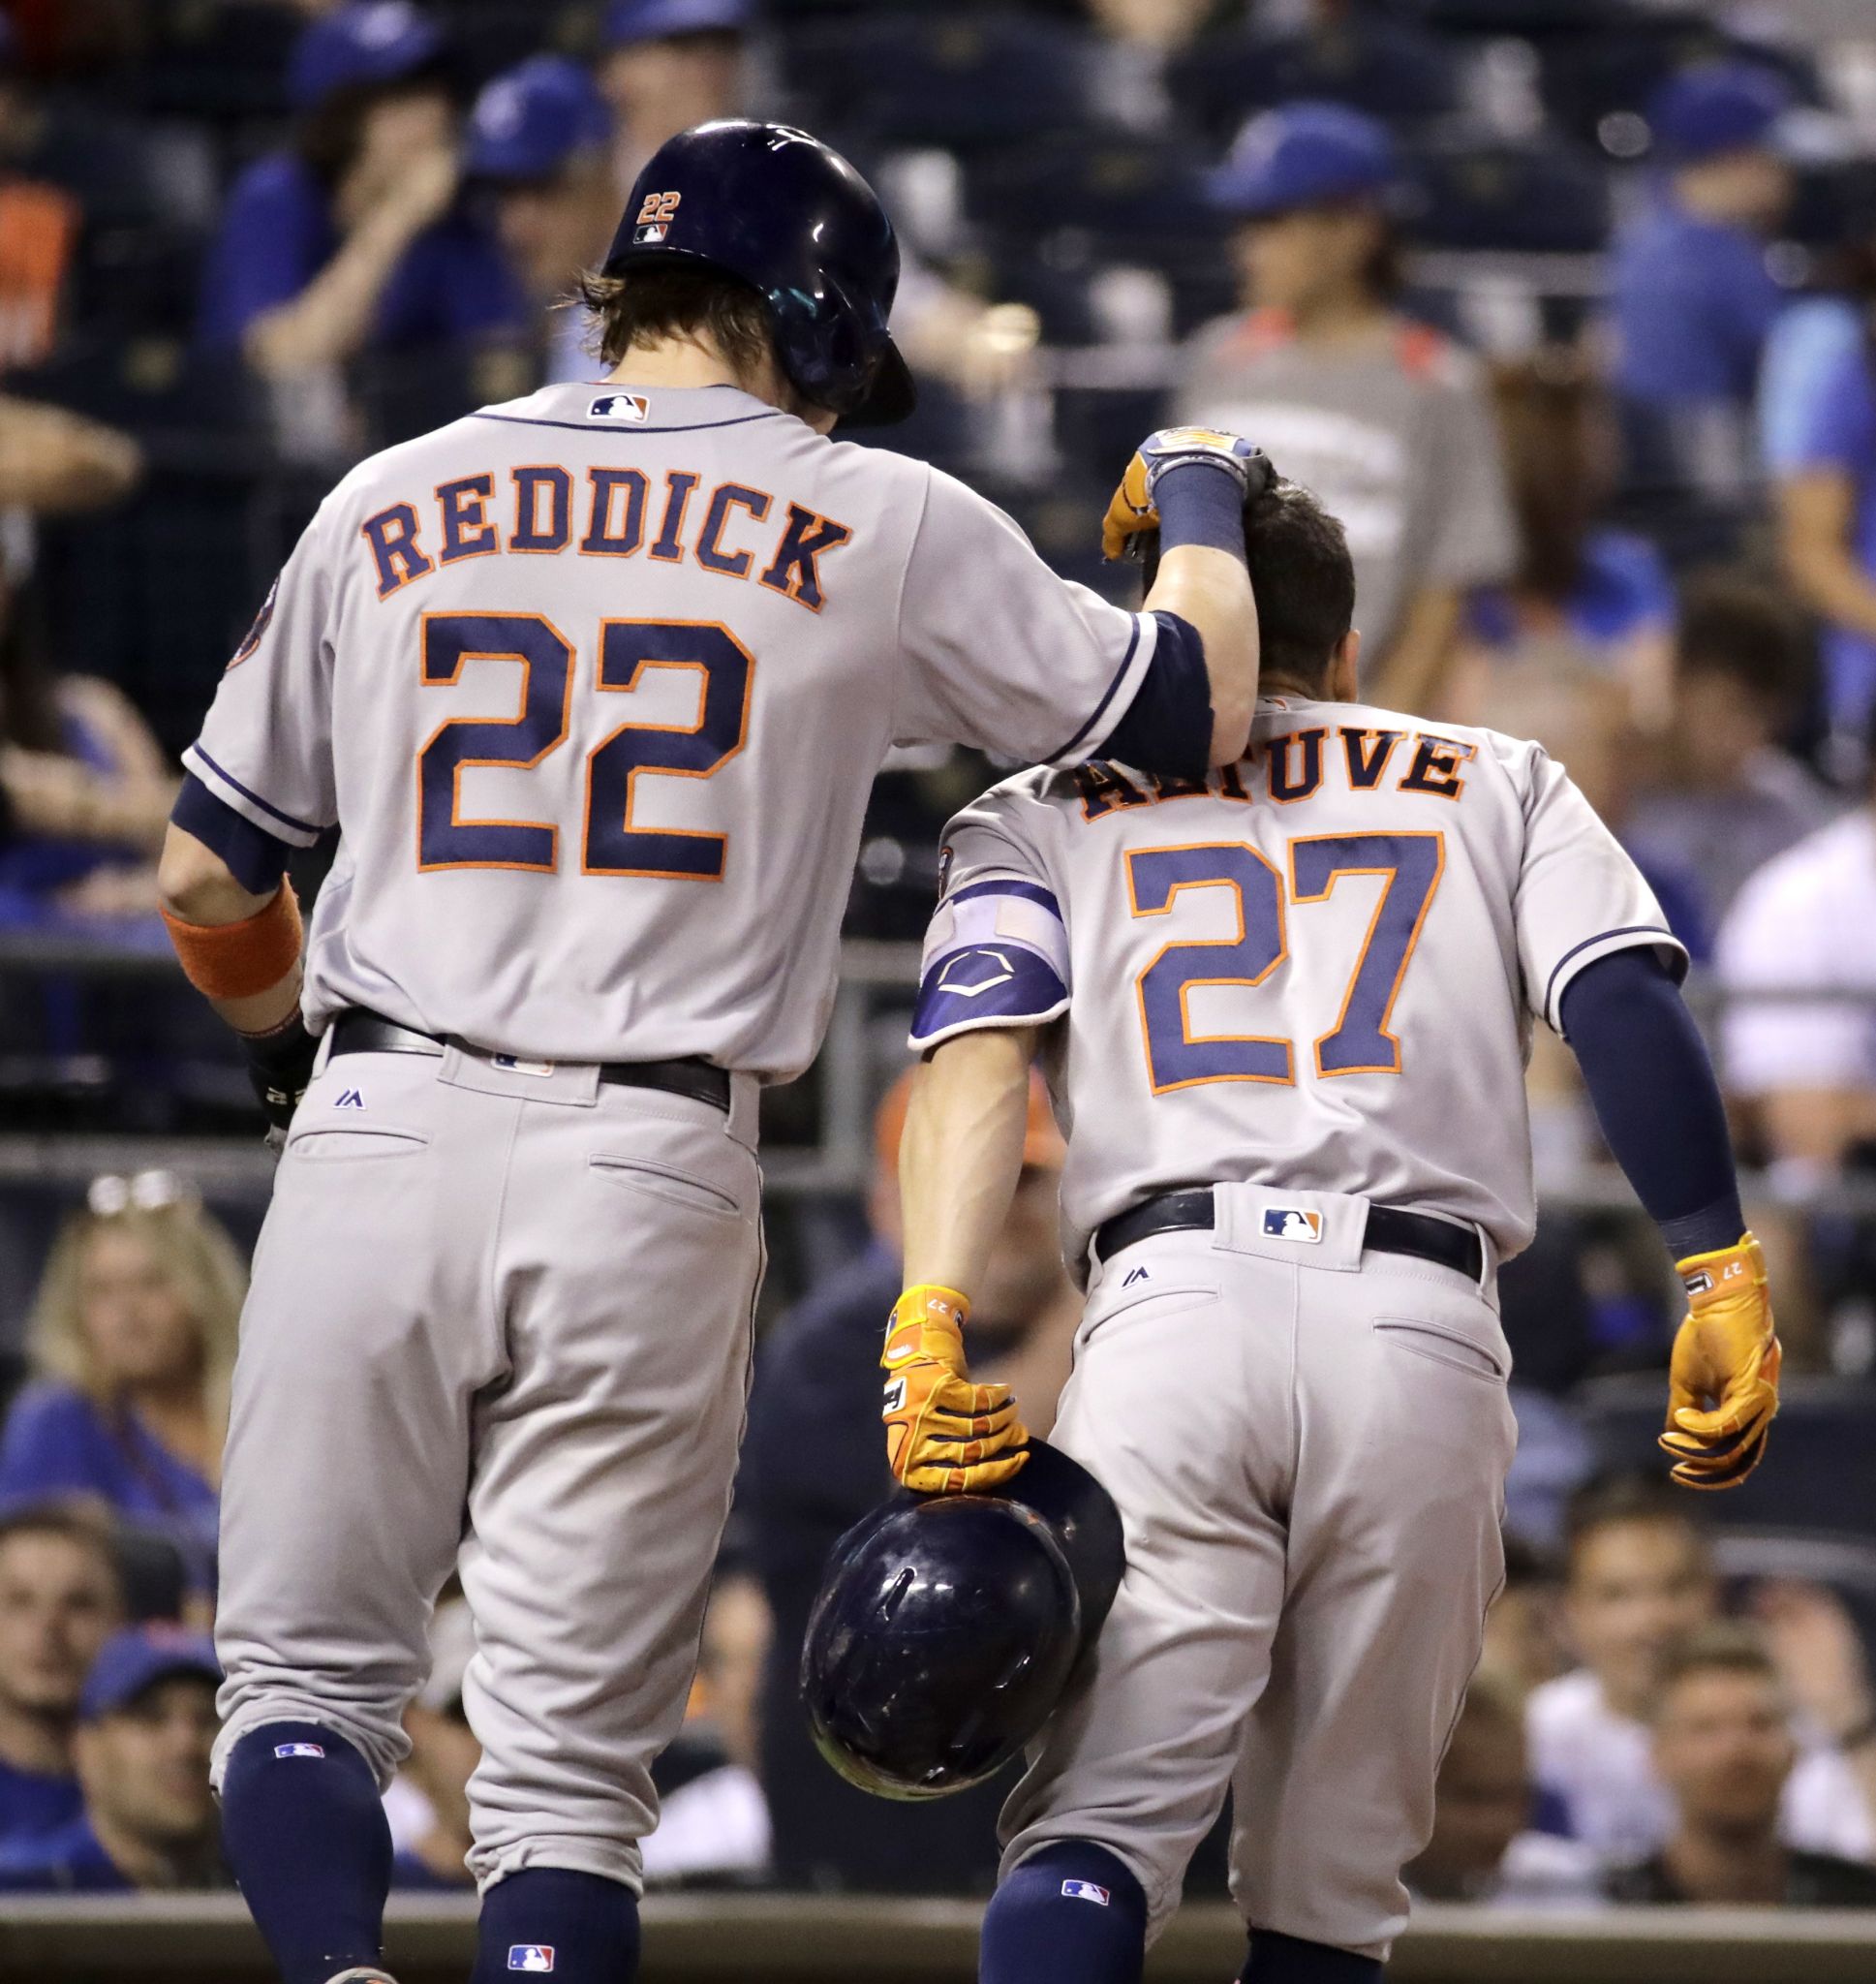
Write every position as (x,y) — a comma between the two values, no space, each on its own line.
(945,1436)
(1723,1380)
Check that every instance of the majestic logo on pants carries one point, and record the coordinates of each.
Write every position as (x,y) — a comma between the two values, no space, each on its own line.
(1291,1223)
(531,1956)
(1085,1891)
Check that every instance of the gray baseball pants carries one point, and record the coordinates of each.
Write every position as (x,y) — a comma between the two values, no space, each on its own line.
(510,1309)
(1307,1443)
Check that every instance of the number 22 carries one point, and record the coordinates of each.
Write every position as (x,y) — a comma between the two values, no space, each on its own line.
(1358,1043)
(610,844)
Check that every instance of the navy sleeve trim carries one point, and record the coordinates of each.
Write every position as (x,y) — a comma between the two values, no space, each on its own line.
(1031,891)
(255,858)
(1678,969)
(253,799)
(595,427)
(1100,708)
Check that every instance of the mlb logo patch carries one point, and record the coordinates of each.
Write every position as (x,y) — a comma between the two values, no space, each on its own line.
(1293,1223)
(648,236)
(534,1957)
(1085,1891)
(511,1063)
(297,1750)
(619,406)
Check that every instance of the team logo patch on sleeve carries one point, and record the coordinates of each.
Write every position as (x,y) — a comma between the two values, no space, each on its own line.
(1085,1891)
(1292,1222)
(534,1957)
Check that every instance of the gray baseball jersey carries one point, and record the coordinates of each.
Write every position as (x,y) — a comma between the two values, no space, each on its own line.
(595,685)
(1319,969)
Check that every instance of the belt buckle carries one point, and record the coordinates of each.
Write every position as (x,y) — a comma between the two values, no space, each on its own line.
(514,1064)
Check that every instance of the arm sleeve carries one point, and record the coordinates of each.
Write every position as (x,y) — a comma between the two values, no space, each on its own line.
(1580,896)
(1475,541)
(997,951)
(998,651)
(265,749)
(1647,1072)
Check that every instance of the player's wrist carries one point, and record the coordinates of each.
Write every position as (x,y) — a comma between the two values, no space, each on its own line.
(1201,502)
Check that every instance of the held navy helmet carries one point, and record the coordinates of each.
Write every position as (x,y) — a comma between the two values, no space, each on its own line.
(788,215)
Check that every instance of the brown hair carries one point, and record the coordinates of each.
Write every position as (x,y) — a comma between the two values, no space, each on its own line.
(692,304)
(1548,407)
(1302,580)
(1609,1501)
(73,1524)
(1728,1646)
(1732,625)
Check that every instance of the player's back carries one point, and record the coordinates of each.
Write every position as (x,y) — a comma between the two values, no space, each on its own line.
(1318,970)
(596,683)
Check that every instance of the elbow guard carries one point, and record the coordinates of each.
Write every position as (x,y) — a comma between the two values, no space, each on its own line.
(1167,727)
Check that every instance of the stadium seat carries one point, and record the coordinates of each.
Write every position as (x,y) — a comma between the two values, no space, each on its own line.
(1546,196)
(1819,1474)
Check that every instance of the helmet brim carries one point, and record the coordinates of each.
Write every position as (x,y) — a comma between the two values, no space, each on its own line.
(891,395)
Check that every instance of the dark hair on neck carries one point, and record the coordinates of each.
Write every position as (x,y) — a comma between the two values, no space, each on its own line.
(650,304)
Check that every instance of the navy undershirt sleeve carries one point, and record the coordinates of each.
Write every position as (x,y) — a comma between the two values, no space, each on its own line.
(1167,727)
(255,860)
(1651,1081)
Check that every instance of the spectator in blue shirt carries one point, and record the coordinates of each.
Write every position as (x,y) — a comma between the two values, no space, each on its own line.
(540,138)
(1825,468)
(1692,296)
(353,236)
(61,1597)
(146,1725)
(135,1330)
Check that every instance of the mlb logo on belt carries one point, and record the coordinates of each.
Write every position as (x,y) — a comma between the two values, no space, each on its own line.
(512,1064)
(537,1957)
(1292,1222)
(1085,1891)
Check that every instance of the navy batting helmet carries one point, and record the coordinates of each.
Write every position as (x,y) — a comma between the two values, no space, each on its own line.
(948,1626)
(790,217)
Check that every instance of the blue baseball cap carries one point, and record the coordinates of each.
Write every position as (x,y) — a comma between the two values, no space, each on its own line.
(138,1658)
(367,42)
(1306,154)
(533,118)
(1715,107)
(627,21)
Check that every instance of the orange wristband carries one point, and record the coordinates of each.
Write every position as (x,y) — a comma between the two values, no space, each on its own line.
(238,960)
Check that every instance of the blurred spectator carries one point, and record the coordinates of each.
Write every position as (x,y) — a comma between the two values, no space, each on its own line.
(1804,1066)
(539,136)
(1384,418)
(1601,596)
(670,64)
(713,1820)
(1728,798)
(1822,454)
(1524,1630)
(1723,1747)
(85,791)
(354,236)
(134,1332)
(444,1755)
(53,461)
(1690,291)
(146,1723)
(1641,1577)
(819,1367)
(60,1599)
(1482,1848)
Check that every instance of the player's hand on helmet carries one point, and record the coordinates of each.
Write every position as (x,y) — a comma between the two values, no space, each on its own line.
(945,1436)
(1133,513)
(1723,1382)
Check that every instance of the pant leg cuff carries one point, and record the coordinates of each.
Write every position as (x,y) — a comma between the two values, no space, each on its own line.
(609,1860)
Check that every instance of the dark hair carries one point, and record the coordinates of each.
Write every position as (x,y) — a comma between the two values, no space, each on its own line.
(1735,626)
(29,702)
(1726,1646)
(661,302)
(71,1525)
(1302,580)
(1548,407)
(1609,1502)
(327,136)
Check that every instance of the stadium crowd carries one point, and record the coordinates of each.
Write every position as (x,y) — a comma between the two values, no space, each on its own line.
(1566,307)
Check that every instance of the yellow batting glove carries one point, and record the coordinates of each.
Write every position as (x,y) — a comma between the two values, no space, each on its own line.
(945,1436)
(1133,513)
(1723,1381)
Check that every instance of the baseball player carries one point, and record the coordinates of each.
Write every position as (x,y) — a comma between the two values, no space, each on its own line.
(1285,1012)
(592,686)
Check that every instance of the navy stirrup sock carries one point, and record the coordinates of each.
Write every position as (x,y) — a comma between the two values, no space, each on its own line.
(1070,1914)
(1288,1959)
(579,1928)
(305,1833)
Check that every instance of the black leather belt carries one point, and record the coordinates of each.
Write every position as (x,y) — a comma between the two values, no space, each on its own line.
(1389,1231)
(364,1033)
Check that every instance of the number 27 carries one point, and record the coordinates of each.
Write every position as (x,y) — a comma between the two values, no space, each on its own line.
(1410,864)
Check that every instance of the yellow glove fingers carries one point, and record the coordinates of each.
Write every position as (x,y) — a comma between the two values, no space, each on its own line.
(979,1479)
(1747,1395)
(1714,1452)
(948,1427)
(1691,1475)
